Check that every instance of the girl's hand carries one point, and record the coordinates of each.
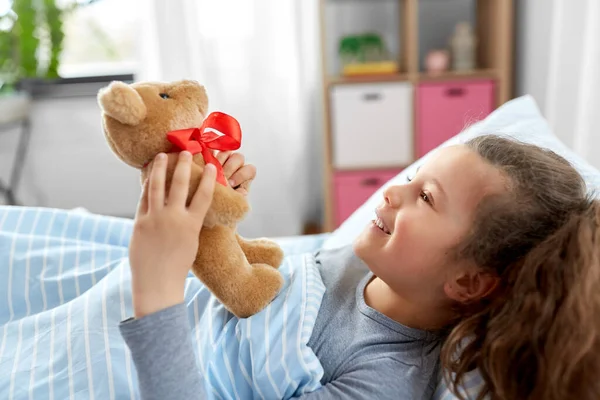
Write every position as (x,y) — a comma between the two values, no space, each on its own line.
(165,234)
(240,175)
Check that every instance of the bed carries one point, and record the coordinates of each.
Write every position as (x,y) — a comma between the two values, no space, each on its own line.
(64,283)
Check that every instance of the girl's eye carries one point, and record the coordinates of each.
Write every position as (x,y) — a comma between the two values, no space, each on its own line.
(425,197)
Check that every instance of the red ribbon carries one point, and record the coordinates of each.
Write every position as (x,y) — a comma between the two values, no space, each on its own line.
(195,140)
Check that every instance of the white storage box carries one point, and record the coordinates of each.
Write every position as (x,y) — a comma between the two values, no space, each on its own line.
(372,125)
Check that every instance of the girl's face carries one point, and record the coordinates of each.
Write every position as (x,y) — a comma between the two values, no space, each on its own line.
(409,244)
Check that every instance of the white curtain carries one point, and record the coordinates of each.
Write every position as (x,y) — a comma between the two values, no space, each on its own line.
(572,99)
(259,60)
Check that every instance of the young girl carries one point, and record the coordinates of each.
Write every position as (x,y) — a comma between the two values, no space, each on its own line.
(487,259)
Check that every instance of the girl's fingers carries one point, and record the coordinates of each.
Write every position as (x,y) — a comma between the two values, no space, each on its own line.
(156,188)
(243,176)
(222,156)
(143,203)
(204,194)
(233,163)
(180,184)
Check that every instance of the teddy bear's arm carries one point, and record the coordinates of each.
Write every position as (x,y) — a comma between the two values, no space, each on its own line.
(262,251)
(228,206)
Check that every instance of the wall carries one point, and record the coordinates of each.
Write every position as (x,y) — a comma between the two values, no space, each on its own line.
(69,164)
(443,15)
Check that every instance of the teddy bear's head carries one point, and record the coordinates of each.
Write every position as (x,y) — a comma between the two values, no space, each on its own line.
(137,117)
(136,120)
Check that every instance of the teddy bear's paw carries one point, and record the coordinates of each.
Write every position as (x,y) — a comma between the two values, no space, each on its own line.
(272,253)
(260,288)
(228,206)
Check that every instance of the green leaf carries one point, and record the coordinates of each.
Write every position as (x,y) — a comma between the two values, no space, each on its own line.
(27,41)
(55,26)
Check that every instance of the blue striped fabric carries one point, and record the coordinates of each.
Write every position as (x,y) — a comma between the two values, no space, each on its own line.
(63,290)
(64,287)
(265,356)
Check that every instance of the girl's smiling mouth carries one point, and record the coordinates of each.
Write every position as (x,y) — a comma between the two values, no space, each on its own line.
(378,222)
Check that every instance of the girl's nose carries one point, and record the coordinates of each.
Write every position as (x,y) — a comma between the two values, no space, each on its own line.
(393,196)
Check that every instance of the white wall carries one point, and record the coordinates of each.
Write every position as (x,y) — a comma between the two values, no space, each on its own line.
(69,163)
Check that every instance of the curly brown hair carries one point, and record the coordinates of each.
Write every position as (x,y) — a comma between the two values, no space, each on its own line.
(538,335)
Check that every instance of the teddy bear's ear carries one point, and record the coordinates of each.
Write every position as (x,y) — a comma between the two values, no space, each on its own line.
(121,102)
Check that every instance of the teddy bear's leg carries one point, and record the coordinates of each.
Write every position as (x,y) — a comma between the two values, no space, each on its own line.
(256,291)
(262,251)
(243,288)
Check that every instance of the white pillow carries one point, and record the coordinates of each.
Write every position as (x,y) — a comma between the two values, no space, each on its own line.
(519,118)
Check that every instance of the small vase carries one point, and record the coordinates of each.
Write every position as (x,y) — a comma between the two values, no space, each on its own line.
(463,44)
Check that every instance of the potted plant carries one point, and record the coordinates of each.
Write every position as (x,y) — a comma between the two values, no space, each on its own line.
(29,30)
(365,54)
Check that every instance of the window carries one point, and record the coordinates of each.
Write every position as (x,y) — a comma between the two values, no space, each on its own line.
(101,38)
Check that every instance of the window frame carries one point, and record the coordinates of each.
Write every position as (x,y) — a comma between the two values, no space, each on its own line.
(70,87)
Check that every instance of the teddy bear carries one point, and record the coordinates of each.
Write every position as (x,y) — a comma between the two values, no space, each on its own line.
(142,119)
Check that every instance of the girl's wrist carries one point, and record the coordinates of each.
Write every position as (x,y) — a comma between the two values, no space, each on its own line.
(148,300)
(145,305)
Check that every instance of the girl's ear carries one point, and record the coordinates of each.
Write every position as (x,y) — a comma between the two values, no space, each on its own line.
(471,285)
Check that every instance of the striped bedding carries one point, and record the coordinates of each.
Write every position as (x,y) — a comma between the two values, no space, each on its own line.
(265,356)
(64,287)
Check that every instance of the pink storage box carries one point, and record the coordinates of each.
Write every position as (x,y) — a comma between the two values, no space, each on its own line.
(352,189)
(444,109)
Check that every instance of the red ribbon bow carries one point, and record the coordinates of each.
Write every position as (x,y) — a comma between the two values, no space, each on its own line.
(195,140)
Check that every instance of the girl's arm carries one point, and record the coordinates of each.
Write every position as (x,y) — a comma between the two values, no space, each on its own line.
(164,242)
(163,247)
(161,348)
(163,353)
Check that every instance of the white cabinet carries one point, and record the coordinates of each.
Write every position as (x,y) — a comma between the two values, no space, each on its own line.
(372,124)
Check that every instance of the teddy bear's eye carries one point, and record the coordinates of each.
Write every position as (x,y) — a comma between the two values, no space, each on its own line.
(164,96)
